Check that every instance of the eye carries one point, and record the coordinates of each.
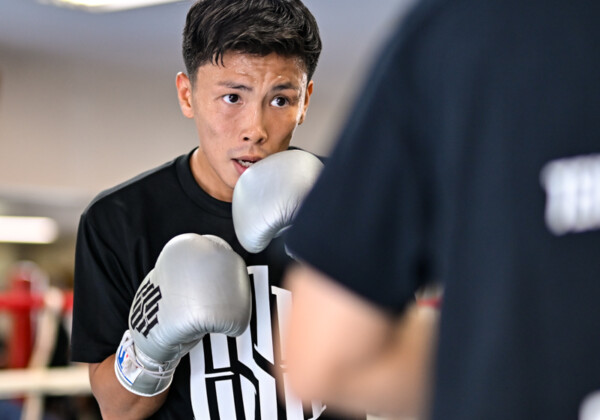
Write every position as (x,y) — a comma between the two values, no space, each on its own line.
(279,101)
(231,98)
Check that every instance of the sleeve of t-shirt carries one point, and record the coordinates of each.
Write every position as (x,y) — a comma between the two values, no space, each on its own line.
(363,223)
(102,293)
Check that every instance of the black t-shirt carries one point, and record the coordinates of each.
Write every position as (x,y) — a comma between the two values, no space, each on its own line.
(473,157)
(120,236)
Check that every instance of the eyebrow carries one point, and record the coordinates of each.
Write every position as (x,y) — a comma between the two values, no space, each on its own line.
(233,85)
(285,86)
(238,86)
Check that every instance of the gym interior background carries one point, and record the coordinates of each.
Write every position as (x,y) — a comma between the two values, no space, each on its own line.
(88,100)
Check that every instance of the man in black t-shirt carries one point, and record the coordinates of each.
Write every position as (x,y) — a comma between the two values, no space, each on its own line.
(472,158)
(150,280)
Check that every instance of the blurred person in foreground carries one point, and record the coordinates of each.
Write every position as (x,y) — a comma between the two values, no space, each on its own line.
(472,158)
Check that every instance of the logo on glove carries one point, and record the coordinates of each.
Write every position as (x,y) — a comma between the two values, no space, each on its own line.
(145,309)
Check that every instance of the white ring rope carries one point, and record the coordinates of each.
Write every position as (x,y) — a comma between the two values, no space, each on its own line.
(37,380)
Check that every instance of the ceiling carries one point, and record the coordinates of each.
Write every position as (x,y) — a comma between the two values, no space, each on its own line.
(148,39)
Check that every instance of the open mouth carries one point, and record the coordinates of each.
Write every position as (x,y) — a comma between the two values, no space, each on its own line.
(245,163)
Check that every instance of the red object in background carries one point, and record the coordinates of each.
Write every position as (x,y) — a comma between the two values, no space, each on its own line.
(20,342)
(16,300)
(24,297)
(434,302)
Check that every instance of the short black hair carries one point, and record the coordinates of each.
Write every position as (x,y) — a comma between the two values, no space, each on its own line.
(261,27)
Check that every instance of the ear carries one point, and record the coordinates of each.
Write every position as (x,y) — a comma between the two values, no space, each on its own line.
(184,94)
(309,91)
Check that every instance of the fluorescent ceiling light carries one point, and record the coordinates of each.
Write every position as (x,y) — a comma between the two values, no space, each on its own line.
(31,230)
(106,5)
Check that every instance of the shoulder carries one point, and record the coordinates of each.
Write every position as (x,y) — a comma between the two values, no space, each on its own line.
(134,192)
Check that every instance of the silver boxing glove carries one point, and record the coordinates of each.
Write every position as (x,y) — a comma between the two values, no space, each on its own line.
(268,194)
(199,285)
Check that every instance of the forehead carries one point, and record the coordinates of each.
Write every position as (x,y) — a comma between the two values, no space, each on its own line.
(255,68)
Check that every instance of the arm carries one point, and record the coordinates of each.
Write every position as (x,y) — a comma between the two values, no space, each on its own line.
(346,351)
(114,401)
(199,285)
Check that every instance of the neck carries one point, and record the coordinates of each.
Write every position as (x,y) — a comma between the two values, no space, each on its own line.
(207,179)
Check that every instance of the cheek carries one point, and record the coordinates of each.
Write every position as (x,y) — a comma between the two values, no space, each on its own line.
(283,125)
(214,129)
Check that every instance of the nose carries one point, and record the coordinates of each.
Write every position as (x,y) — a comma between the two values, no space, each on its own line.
(254,129)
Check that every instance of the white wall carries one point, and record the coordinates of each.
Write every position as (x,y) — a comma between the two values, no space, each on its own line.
(84,126)
(76,125)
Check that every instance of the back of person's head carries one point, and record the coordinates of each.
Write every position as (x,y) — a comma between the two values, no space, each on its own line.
(261,27)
